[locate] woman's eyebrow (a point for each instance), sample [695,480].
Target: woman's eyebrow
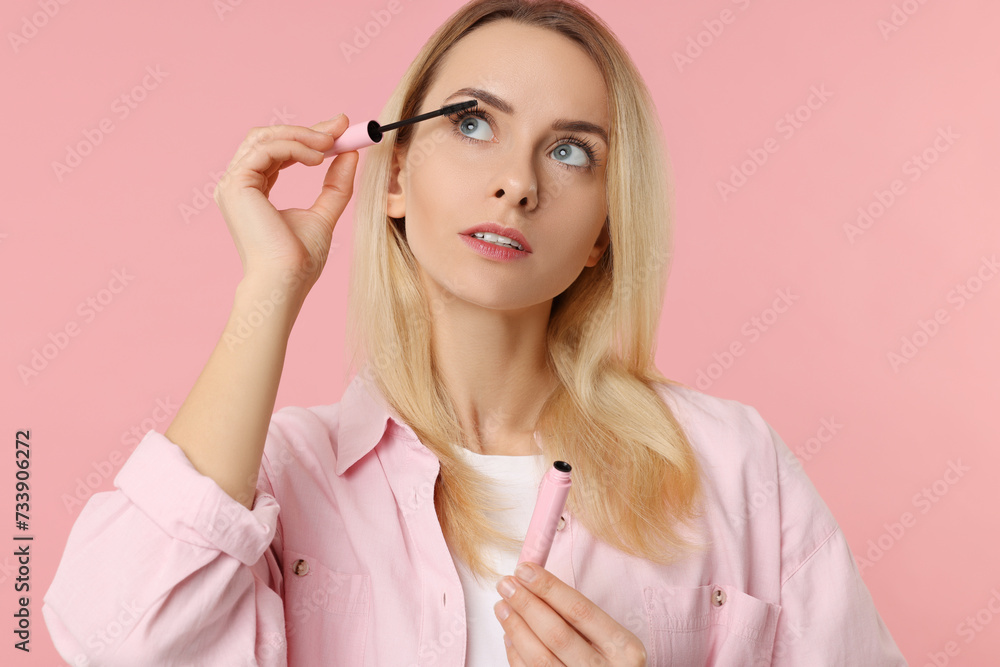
[504,106]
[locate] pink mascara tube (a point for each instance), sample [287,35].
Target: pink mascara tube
[552,493]
[362,135]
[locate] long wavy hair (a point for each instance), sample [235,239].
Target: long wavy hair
[635,476]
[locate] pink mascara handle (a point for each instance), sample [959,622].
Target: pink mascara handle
[552,493]
[359,135]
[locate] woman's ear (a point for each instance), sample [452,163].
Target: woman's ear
[396,203]
[602,243]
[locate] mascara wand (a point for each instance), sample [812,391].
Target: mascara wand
[361,135]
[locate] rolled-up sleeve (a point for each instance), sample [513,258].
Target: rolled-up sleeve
[828,616]
[169,569]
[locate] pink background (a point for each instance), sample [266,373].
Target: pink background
[823,360]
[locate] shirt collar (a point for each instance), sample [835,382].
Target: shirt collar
[365,417]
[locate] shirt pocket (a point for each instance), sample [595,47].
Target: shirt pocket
[717,625]
[326,612]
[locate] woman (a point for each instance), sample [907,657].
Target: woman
[690,535]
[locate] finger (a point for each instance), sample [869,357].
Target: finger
[317,136]
[320,137]
[255,137]
[570,604]
[258,165]
[540,636]
[526,648]
[337,121]
[258,169]
[329,130]
[338,185]
[513,659]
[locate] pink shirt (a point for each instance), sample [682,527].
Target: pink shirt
[168,569]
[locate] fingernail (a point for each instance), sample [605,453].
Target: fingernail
[502,611]
[525,572]
[505,587]
[337,116]
[506,641]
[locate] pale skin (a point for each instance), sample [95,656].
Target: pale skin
[490,317]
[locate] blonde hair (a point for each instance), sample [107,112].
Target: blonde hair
[635,475]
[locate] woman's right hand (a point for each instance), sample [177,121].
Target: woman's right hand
[290,245]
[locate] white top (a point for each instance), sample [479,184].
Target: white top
[515,482]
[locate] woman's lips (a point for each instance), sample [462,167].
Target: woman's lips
[492,250]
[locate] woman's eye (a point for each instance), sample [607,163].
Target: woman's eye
[473,124]
[569,153]
[564,150]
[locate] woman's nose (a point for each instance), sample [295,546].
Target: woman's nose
[519,182]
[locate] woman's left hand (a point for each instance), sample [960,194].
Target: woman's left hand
[548,619]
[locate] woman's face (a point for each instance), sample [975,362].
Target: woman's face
[510,167]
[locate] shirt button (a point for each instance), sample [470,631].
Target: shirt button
[300,567]
[718,597]
[562,523]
